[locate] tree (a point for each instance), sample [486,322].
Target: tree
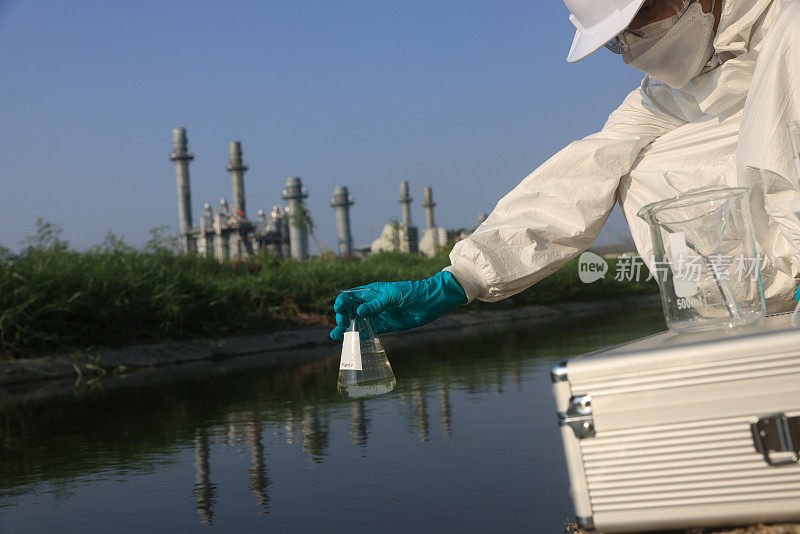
[300,217]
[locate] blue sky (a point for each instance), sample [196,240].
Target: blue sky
[467,97]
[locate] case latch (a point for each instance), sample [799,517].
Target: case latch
[779,434]
[579,416]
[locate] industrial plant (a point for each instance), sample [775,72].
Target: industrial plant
[226,232]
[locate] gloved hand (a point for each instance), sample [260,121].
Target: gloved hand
[402,305]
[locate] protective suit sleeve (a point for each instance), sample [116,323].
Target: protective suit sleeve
[765,159]
[559,209]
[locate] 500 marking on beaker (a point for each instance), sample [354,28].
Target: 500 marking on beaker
[684,303]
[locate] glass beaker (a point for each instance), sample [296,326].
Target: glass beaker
[364,370]
[705,260]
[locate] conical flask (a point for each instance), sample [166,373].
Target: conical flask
[364,369]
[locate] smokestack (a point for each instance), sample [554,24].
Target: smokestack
[220,238]
[207,229]
[298,231]
[237,167]
[429,204]
[341,203]
[181,156]
[405,203]
[283,221]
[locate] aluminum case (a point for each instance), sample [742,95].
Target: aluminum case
[684,430]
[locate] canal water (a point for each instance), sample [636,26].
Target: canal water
[467,442]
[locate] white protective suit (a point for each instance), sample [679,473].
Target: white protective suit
[723,127]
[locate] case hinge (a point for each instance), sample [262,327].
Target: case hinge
[579,416]
[777,434]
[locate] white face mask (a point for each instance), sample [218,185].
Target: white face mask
[674,50]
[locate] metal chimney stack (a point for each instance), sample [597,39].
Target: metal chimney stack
[181,156]
[281,215]
[298,231]
[341,203]
[237,168]
[207,230]
[429,204]
[405,203]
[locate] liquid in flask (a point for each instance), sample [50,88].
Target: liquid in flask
[364,370]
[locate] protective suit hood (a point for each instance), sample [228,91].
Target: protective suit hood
[742,28]
[737,24]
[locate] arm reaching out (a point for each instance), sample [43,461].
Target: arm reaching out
[559,209]
[550,217]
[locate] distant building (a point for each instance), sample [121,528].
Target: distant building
[226,232]
[402,236]
[396,237]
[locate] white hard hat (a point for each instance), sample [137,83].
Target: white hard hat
[598,21]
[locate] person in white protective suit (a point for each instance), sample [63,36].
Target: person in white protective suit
[721,87]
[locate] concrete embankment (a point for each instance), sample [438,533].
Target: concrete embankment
[266,349]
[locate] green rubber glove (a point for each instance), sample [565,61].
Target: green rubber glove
[401,305]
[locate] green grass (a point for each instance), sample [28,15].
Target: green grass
[54,299]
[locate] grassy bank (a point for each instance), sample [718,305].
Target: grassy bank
[57,299]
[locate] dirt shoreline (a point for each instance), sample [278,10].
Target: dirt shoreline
[270,347]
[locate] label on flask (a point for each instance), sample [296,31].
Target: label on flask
[351,352]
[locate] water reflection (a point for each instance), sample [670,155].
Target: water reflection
[204,489]
[259,480]
[315,433]
[219,411]
[445,411]
[359,423]
[309,428]
[417,403]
